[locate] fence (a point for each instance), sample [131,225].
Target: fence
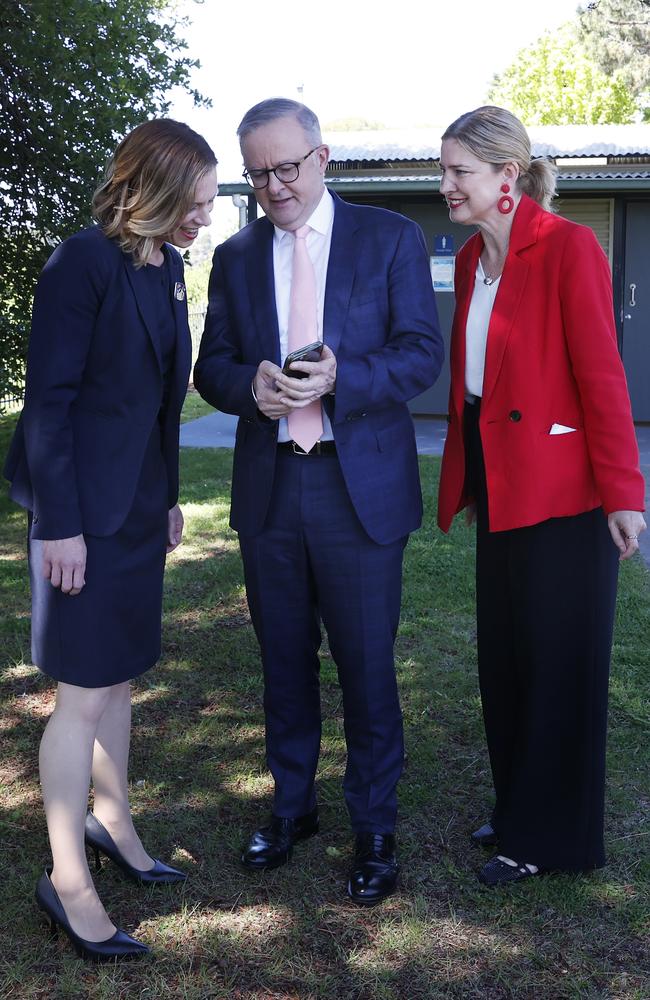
[196,320]
[11,402]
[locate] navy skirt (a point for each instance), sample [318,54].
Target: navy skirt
[110,632]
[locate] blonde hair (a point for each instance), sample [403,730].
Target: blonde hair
[496,136]
[150,184]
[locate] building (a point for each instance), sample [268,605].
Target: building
[603,182]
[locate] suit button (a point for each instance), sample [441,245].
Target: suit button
[515,415]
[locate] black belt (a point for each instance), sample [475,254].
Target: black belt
[320,448]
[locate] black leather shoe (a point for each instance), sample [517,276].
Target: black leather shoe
[374,872]
[98,837]
[485,836]
[497,872]
[271,846]
[121,945]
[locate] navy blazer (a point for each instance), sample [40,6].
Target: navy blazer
[94,390]
[381,322]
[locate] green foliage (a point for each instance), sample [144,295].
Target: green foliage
[202,248]
[554,82]
[196,283]
[353,125]
[616,33]
[75,77]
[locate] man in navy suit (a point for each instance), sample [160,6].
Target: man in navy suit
[322,529]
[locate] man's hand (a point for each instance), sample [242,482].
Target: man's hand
[64,563]
[175,524]
[266,391]
[298,392]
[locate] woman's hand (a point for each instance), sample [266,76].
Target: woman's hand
[625,526]
[64,563]
[174,528]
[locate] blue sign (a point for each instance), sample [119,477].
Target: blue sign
[443,243]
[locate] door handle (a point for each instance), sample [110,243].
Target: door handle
[632,294]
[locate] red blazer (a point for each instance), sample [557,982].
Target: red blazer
[551,358]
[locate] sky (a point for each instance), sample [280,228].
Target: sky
[409,64]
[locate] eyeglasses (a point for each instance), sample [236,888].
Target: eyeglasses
[285,172]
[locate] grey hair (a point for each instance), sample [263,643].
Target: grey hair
[496,136]
[280,107]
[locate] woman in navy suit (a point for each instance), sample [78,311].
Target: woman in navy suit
[95,462]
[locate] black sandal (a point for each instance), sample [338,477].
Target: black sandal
[497,872]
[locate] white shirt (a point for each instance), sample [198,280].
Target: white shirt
[318,247]
[476,331]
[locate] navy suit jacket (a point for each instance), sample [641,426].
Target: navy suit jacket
[380,320]
[94,390]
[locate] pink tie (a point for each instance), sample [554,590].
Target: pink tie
[306,424]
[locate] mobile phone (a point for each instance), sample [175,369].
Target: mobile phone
[311,352]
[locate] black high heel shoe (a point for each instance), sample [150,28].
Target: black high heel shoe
[99,839]
[119,946]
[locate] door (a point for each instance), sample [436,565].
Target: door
[636,308]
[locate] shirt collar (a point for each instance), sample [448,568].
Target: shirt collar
[320,220]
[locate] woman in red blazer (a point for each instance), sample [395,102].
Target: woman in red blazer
[541,450]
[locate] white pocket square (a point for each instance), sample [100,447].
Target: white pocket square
[561,429]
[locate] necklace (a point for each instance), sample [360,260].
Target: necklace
[488,279]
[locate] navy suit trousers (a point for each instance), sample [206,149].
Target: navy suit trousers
[313,561]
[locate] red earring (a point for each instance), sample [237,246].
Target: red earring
[505,204]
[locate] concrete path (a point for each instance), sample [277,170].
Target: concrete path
[217,430]
[643,437]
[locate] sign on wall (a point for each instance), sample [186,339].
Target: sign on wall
[442,263]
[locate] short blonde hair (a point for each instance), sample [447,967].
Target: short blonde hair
[496,136]
[150,183]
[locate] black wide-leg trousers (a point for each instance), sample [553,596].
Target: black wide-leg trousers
[545,599]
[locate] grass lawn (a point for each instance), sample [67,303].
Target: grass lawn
[199,786]
[195,407]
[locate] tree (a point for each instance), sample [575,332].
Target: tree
[196,283]
[554,82]
[616,34]
[75,77]
[352,125]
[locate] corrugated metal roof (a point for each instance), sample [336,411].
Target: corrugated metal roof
[605,175]
[366,178]
[547,140]
[407,157]
[563,175]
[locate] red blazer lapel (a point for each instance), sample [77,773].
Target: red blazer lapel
[465,274]
[525,228]
[504,312]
